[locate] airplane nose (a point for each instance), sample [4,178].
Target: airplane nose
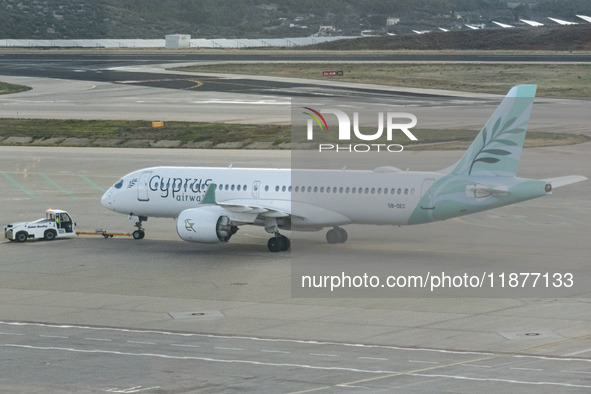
[106,200]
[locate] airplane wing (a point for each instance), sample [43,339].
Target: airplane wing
[301,214]
[266,208]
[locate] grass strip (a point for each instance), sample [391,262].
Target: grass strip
[104,132]
[8,88]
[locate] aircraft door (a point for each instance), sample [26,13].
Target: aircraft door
[256,185]
[142,188]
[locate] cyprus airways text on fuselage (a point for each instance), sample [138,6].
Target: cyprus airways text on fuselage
[178,187]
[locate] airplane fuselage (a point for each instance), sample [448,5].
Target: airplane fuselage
[384,196]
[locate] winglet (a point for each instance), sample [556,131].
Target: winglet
[209,197]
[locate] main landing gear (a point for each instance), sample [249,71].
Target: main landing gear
[336,235]
[279,243]
[139,233]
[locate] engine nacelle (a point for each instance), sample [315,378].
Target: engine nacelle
[209,224]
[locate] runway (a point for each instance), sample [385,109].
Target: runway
[136,87]
[234,301]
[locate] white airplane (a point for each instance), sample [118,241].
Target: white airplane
[532,23]
[561,22]
[585,18]
[209,204]
[443,30]
[503,25]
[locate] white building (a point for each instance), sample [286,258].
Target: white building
[176,41]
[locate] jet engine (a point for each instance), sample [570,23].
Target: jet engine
[208,224]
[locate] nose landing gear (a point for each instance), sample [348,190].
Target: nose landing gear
[140,232]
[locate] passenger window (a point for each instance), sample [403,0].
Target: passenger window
[297,189]
[267,188]
[233,186]
[405,192]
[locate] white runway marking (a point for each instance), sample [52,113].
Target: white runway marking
[577,353]
[275,351]
[180,345]
[209,359]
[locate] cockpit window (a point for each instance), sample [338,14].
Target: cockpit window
[118,184]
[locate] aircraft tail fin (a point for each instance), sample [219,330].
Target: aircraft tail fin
[497,148]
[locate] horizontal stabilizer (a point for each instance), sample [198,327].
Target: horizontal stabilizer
[565,180]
